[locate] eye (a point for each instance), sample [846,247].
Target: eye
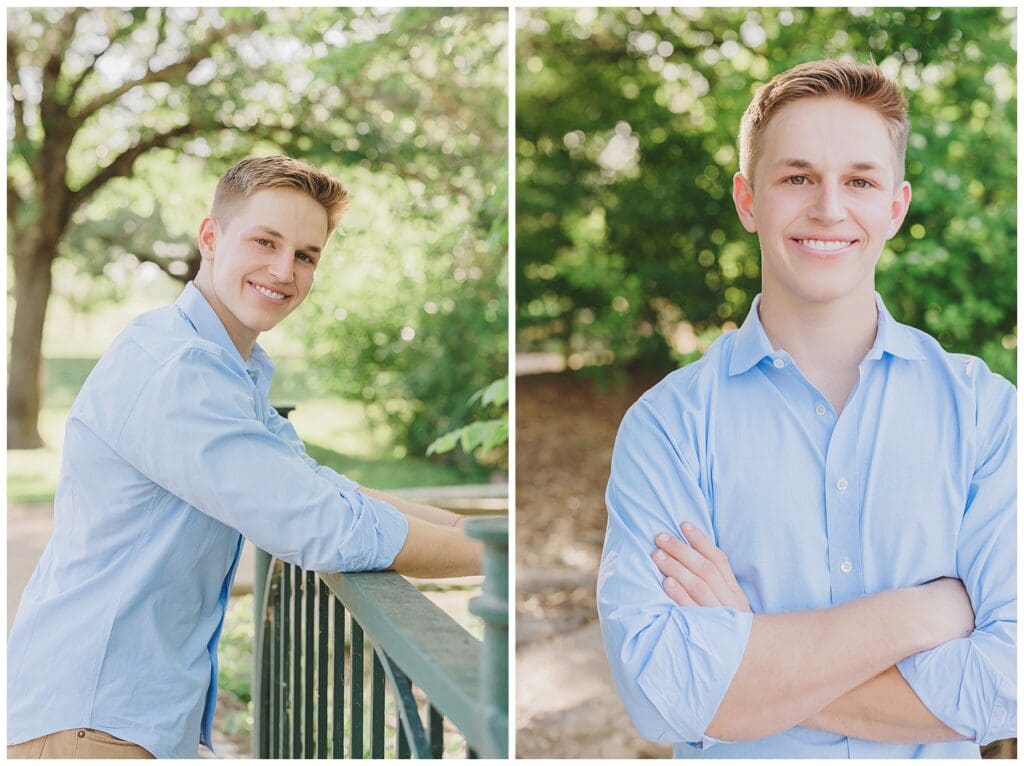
[305,257]
[263,242]
[862,183]
[796,180]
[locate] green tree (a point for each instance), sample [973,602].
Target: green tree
[152,104]
[628,248]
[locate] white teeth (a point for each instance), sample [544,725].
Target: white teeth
[268,293]
[820,244]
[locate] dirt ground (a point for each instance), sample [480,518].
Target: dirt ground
[566,703]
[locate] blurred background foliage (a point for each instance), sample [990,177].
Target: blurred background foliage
[628,249]
[407,106]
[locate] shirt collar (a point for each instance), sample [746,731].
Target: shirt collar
[751,343]
[200,314]
[892,337]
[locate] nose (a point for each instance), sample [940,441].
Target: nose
[282,267]
[828,207]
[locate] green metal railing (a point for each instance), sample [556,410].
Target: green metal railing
[323,638]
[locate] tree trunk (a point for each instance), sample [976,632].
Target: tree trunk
[32,282]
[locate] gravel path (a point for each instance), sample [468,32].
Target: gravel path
[566,703]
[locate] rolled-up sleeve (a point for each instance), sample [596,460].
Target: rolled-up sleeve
[971,684]
[193,430]
[671,664]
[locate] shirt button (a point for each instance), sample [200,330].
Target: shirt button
[81,733]
[841,485]
[846,567]
[779,363]
[820,409]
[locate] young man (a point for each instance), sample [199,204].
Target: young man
[172,455]
[846,487]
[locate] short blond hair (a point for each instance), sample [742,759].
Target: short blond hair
[861,83]
[258,173]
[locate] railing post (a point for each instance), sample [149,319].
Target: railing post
[259,589]
[492,607]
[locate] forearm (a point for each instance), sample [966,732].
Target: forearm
[798,663]
[426,513]
[883,709]
[432,550]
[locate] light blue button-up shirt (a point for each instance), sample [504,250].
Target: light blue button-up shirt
[914,480]
[172,454]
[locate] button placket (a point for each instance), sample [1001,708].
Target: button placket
[842,510]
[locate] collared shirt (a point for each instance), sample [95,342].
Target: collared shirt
[913,481]
[172,454]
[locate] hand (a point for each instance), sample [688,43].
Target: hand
[697,574]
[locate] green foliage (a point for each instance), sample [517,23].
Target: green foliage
[407,106]
[483,434]
[627,245]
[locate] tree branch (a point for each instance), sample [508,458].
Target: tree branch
[124,162]
[177,70]
[193,261]
[14,201]
[21,141]
[65,29]
[116,37]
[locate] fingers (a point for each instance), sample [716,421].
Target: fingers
[697,572]
[703,545]
[677,593]
[683,567]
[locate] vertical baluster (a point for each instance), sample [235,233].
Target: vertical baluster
[263,627]
[338,735]
[297,666]
[436,726]
[377,708]
[310,586]
[356,703]
[401,741]
[323,637]
[273,646]
[286,651]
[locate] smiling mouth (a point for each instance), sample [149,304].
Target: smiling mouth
[824,245]
[267,292]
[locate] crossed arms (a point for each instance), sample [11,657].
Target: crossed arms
[910,665]
[831,669]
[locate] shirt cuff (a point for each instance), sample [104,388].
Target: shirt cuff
[703,744]
[375,535]
[952,682]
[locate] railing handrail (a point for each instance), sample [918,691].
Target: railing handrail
[439,656]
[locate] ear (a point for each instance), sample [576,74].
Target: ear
[900,206]
[207,237]
[743,198]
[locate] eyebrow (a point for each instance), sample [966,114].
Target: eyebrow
[279,235]
[804,164]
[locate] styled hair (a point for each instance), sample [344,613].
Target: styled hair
[258,173]
[861,83]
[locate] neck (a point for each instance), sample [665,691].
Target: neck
[243,338]
[829,336]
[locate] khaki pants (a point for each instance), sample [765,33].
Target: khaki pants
[77,743]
